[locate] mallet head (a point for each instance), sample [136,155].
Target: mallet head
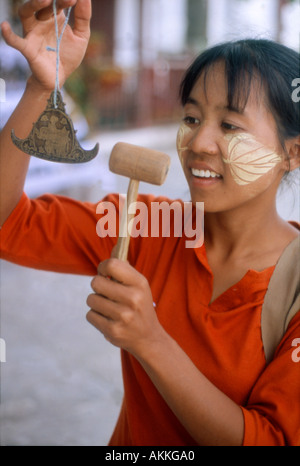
[139,163]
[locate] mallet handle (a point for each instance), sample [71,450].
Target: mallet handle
[121,251]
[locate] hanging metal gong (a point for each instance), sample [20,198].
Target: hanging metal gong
[53,136]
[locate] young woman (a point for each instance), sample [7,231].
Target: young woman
[194,367]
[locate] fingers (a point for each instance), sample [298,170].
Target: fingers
[120,271]
[117,287]
[107,305]
[82,16]
[11,38]
[103,306]
[108,297]
[100,323]
[28,9]
[29,12]
[42,9]
[122,309]
[109,289]
[47,12]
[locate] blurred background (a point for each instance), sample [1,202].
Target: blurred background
[61,382]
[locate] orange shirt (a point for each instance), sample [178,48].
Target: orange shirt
[223,338]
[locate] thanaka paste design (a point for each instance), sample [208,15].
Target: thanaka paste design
[249,159]
[182,132]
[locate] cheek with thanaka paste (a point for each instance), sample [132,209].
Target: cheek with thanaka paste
[181,134]
[248,159]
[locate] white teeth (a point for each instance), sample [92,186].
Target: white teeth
[205,173]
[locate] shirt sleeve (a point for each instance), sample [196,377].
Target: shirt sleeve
[59,234]
[272,414]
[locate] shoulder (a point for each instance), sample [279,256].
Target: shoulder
[277,241]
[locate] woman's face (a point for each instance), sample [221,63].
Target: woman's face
[230,157]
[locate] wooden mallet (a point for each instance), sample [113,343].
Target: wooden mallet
[138,164]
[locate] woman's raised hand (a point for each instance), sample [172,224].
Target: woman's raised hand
[39,33]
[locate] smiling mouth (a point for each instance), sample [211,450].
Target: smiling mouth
[205,173]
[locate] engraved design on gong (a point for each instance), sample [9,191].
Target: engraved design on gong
[53,136]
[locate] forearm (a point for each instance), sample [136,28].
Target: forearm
[38,33]
[209,416]
[13,162]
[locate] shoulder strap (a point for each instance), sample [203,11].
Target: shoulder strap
[282,299]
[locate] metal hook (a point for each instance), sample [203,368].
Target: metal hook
[53,136]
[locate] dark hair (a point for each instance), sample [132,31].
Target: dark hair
[275,65]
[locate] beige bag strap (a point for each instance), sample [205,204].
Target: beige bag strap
[282,299]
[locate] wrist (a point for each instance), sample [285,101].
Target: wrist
[151,349]
[33,86]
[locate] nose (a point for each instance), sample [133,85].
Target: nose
[204,140]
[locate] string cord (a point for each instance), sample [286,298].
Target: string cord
[58,41]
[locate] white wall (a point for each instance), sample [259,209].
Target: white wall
[234,19]
[163,30]
[127,30]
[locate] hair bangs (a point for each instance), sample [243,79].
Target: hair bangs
[240,74]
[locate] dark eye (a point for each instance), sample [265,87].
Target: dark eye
[229,126]
[189,120]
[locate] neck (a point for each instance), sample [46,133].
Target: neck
[243,231]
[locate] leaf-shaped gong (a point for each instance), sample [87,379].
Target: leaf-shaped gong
[53,136]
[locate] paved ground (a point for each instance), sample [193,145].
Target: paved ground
[61,382]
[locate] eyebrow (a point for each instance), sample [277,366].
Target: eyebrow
[230,108]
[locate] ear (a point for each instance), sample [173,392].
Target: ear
[293,150]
